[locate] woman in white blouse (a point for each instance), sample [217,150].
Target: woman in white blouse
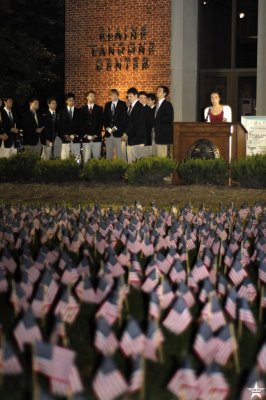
[217,112]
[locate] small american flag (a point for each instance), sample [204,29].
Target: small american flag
[105,340]
[222,285]
[8,261]
[199,271]
[110,309]
[205,343]
[154,339]
[9,363]
[104,287]
[213,313]
[237,273]
[165,293]
[246,316]
[40,304]
[85,290]
[151,281]
[134,278]
[133,340]
[133,245]
[212,384]
[27,331]
[147,247]
[67,307]
[178,317]
[184,382]
[52,361]
[184,292]
[69,386]
[70,275]
[109,382]
[18,298]
[136,375]
[231,303]
[154,305]
[3,282]
[178,272]
[226,345]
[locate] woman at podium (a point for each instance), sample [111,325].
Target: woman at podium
[217,112]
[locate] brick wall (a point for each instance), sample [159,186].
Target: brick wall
[116,44]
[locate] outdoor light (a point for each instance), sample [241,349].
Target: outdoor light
[241,15]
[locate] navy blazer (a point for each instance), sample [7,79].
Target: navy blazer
[51,127]
[118,119]
[7,125]
[136,125]
[163,123]
[69,126]
[29,126]
[92,123]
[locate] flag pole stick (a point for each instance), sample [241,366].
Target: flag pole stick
[188,263]
[143,386]
[239,328]
[236,358]
[1,358]
[261,301]
[35,388]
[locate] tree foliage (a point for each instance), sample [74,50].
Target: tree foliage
[31,47]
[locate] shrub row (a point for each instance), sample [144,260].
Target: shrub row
[27,167]
[201,171]
[249,172]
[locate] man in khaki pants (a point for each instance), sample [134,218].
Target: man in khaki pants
[163,123]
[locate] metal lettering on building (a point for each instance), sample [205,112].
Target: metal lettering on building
[127,49]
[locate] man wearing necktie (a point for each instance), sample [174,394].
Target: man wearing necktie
[10,127]
[163,123]
[91,124]
[32,126]
[115,125]
[135,126]
[52,143]
[70,128]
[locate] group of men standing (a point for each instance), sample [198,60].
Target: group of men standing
[140,127]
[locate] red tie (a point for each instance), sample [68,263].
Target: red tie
[90,109]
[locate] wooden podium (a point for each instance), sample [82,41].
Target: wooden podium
[229,140]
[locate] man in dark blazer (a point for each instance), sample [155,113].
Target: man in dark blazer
[150,110]
[163,123]
[9,126]
[115,112]
[135,127]
[52,143]
[70,128]
[91,125]
[32,126]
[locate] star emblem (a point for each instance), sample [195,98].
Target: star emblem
[256,391]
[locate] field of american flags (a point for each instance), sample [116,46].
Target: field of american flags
[153,303]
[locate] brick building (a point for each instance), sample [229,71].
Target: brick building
[193,46]
[117,43]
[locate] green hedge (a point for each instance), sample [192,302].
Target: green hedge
[250,172]
[214,171]
[20,167]
[150,170]
[3,168]
[56,171]
[104,170]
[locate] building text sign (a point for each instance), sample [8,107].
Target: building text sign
[116,50]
